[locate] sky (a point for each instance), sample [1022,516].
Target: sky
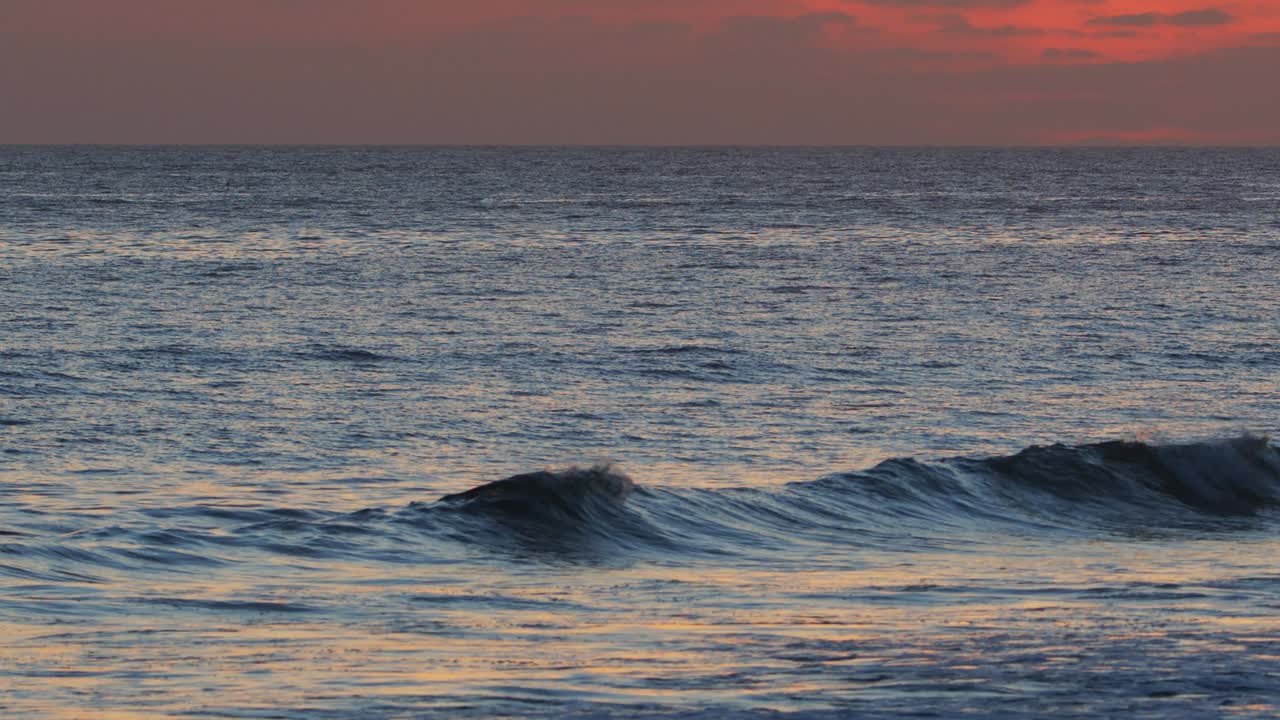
[808,72]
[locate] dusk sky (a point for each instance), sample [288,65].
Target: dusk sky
[640,71]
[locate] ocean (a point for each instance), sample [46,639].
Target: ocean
[473,432]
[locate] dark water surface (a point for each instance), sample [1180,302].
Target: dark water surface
[899,432]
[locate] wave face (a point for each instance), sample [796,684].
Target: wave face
[1117,486]
[1231,477]
[569,492]
[1131,490]
[568,511]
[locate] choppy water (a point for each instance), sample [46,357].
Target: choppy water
[898,432]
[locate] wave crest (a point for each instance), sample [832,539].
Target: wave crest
[577,511]
[1237,476]
[572,492]
[594,515]
[1130,487]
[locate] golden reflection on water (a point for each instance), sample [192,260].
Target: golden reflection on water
[905,627]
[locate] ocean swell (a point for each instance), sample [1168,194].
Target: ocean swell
[1117,489]
[1132,488]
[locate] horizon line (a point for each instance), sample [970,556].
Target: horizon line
[1103,145]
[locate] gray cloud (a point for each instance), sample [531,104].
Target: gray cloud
[1069,54]
[954,4]
[1191,18]
[960,25]
[1199,18]
[784,29]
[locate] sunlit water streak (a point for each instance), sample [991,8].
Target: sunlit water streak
[236,382]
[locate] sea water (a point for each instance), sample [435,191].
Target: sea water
[794,432]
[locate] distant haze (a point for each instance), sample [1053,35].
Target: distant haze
[989,72]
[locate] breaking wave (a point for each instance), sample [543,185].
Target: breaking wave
[1125,489]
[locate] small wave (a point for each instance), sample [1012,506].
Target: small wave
[239,606]
[558,511]
[568,490]
[578,511]
[684,350]
[340,353]
[229,268]
[595,515]
[1239,476]
[494,601]
[1134,488]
